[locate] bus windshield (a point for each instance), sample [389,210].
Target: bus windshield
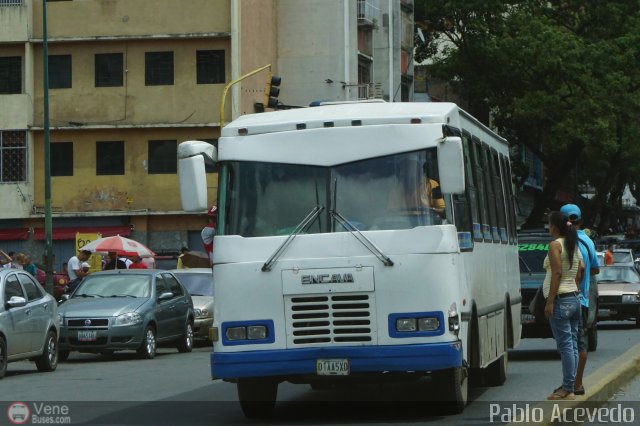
[399,191]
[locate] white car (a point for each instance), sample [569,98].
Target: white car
[28,321]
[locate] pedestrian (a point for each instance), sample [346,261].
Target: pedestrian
[591,268]
[564,267]
[113,262]
[74,269]
[18,260]
[6,259]
[137,263]
[608,255]
[209,231]
[180,265]
[29,266]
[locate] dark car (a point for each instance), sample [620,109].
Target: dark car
[619,297]
[532,249]
[126,309]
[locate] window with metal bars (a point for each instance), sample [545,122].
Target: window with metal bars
[13,155]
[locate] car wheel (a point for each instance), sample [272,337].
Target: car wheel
[186,342]
[147,349]
[48,361]
[3,357]
[63,355]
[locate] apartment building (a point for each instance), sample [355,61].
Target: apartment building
[131,79]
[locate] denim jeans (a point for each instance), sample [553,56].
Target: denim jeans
[564,325]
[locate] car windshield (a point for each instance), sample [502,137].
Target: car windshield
[116,285]
[197,284]
[532,256]
[387,192]
[622,257]
[613,274]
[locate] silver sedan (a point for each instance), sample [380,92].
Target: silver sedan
[199,284]
[28,322]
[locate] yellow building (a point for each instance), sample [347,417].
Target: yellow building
[128,81]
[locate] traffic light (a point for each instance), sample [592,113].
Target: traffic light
[272,91]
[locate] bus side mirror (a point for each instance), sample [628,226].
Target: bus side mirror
[451,165]
[192,176]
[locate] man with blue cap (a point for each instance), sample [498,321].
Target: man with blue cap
[572,213]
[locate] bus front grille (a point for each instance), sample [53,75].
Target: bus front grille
[337,318]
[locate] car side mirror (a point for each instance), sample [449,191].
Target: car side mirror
[16,302]
[64,298]
[165,296]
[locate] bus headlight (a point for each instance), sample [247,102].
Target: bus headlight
[236,333]
[406,324]
[428,324]
[256,332]
[630,298]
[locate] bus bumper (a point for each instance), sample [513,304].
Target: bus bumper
[362,359]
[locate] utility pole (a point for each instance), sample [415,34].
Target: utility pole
[48,228]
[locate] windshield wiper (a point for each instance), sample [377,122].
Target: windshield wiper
[302,226]
[361,238]
[87,295]
[122,295]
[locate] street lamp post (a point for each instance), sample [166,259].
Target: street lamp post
[48,248]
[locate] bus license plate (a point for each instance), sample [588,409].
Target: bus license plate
[87,335]
[332,367]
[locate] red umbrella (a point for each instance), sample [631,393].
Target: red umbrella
[121,245]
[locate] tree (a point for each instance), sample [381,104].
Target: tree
[559,77]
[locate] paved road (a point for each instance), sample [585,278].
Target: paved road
[182,383]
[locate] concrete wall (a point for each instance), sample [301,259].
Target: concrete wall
[257,44]
[16,22]
[85,192]
[311,49]
[96,18]
[133,103]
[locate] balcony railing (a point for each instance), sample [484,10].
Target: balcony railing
[4,3]
[369,91]
[368,14]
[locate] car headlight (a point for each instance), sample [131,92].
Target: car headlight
[202,313]
[61,319]
[130,318]
[630,298]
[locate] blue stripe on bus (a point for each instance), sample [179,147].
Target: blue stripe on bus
[363,359]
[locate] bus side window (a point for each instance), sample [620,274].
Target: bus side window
[500,198]
[491,196]
[478,171]
[472,190]
[462,202]
[508,184]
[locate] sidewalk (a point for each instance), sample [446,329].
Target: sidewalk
[600,385]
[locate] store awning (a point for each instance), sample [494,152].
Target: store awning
[14,234]
[70,233]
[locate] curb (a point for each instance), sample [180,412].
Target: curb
[601,385]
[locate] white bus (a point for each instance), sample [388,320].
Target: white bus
[331,262]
